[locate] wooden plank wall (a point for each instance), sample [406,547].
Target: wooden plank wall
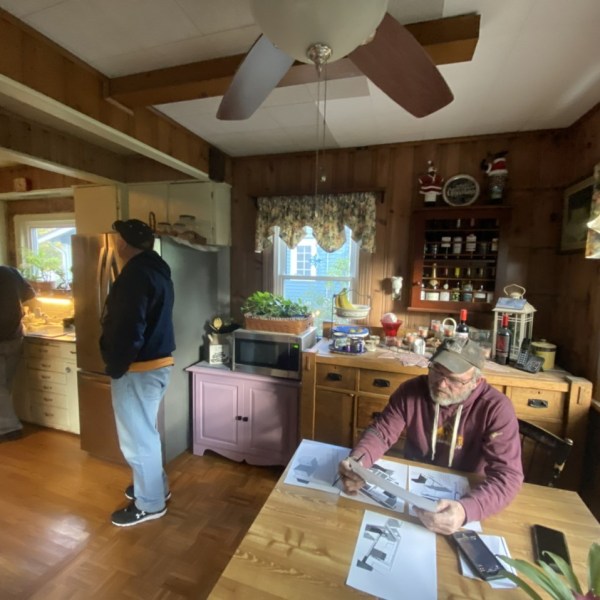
[540,165]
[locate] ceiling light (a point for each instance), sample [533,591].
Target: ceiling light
[296,25]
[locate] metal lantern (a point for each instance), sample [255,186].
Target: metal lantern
[520,318]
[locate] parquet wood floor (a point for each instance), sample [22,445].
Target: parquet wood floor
[57,542]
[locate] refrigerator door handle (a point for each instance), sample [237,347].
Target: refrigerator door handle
[102,279]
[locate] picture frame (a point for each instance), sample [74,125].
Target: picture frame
[576,213]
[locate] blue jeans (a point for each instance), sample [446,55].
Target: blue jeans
[136,398]
[10,354]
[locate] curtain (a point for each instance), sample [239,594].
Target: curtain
[327,214]
[592,247]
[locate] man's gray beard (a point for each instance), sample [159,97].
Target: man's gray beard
[450,400]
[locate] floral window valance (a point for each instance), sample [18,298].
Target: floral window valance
[327,214]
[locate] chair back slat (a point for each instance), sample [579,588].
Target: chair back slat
[543,454]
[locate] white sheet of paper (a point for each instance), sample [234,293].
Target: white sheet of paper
[315,465]
[497,544]
[377,479]
[394,559]
[437,485]
[373,494]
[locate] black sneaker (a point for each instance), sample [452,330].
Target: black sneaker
[130,493]
[132,515]
[9,436]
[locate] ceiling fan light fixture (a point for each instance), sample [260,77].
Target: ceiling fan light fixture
[296,25]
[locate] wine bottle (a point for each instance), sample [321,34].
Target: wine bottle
[462,329]
[503,342]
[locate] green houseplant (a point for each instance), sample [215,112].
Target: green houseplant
[565,587]
[273,306]
[270,312]
[44,265]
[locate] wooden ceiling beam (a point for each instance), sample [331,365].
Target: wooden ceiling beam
[448,40]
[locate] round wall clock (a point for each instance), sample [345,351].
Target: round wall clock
[460,190]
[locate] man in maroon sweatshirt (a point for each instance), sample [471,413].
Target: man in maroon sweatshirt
[452,418]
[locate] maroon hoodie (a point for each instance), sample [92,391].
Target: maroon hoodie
[487,443]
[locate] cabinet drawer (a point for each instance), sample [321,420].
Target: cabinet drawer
[380,382]
[37,377]
[36,384]
[50,416]
[48,399]
[55,365]
[336,377]
[532,403]
[367,409]
[46,349]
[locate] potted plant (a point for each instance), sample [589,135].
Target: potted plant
[270,312]
[44,268]
[565,587]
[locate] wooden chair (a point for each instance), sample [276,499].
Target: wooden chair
[543,454]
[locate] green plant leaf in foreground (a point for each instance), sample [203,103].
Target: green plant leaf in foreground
[594,569]
[539,578]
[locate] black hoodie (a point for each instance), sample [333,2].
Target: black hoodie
[137,324]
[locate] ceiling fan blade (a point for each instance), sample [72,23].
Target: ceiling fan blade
[259,73]
[399,66]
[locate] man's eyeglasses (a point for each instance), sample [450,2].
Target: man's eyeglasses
[454,381]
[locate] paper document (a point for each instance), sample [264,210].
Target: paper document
[394,559]
[392,488]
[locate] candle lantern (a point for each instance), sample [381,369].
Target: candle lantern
[520,318]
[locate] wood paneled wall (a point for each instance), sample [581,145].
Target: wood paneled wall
[541,165]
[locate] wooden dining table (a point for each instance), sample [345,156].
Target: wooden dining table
[301,543]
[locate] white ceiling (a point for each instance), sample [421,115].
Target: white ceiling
[536,66]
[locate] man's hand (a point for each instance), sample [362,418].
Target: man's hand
[351,481]
[449,517]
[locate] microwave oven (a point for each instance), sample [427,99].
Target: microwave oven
[270,353]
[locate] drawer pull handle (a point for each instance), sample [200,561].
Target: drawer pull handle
[333,377]
[45,377]
[245,419]
[381,383]
[535,403]
[238,418]
[47,399]
[46,365]
[375,415]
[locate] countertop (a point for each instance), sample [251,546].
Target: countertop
[392,359]
[51,332]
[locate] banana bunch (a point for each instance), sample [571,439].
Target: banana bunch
[341,300]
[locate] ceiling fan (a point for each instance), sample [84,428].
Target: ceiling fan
[323,31]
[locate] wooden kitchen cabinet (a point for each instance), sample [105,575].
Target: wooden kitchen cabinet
[243,416]
[97,207]
[47,394]
[458,254]
[342,394]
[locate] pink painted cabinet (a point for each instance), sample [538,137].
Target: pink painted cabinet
[244,417]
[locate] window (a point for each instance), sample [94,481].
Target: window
[48,238]
[311,275]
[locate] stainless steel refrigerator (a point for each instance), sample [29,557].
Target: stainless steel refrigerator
[201,282]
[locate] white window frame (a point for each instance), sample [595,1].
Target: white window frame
[23,224]
[279,250]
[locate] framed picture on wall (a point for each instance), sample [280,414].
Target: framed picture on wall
[576,214]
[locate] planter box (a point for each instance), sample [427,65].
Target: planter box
[278,325]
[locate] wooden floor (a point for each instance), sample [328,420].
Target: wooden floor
[57,542]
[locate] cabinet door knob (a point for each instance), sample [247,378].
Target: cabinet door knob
[333,377]
[238,418]
[245,419]
[381,383]
[536,403]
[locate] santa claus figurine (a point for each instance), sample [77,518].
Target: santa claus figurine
[430,184]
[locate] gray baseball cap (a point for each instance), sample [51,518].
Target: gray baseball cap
[459,355]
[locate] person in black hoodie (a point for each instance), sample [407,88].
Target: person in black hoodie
[137,343]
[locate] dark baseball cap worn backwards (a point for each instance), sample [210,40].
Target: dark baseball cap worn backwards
[136,233]
[459,355]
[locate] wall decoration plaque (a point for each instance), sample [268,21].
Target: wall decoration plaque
[461,190]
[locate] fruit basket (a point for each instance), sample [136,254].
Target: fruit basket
[346,310]
[358,311]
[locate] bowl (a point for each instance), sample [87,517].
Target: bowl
[359,311]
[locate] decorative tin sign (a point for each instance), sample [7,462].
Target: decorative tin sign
[461,190]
